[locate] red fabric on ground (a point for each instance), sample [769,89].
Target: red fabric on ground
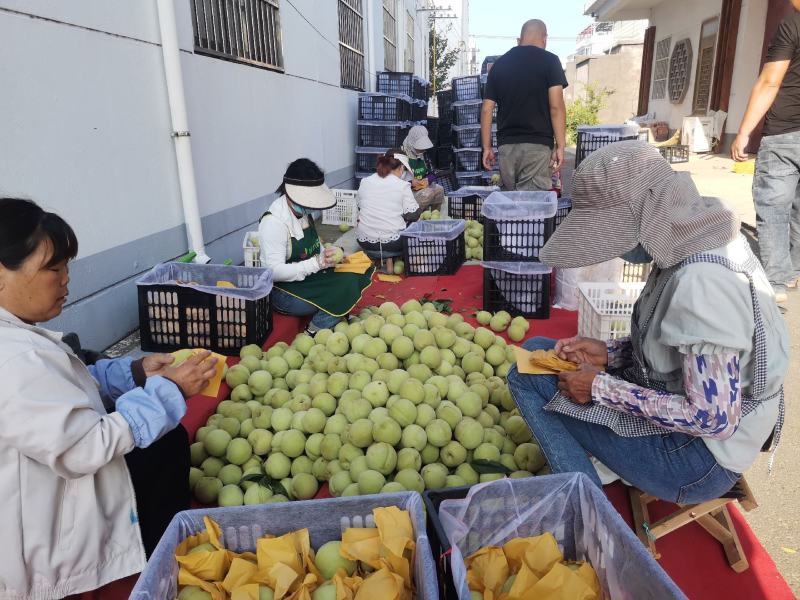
[681,551]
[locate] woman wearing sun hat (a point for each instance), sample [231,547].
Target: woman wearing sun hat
[304,283]
[426,193]
[682,407]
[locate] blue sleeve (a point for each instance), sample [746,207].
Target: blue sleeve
[114,376]
[152,410]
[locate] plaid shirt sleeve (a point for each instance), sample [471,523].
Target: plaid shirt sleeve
[711,407]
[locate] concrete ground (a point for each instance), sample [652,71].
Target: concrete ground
[775,521]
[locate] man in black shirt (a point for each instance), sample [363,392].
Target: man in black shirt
[775,186]
[527,85]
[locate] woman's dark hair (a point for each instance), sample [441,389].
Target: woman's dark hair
[302,168]
[24,225]
[388,163]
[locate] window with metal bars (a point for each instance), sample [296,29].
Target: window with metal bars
[351,44]
[661,69]
[409,67]
[247,31]
[705,66]
[390,35]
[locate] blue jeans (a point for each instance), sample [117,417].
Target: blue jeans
[777,200]
[674,466]
[290,305]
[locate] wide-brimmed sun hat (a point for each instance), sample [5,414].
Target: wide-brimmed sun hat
[305,185]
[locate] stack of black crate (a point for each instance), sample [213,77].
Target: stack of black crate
[466,132]
[444,140]
[386,116]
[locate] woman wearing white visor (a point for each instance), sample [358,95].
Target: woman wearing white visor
[427,193]
[304,283]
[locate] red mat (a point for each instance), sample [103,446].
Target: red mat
[689,555]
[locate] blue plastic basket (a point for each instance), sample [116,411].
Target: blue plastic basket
[242,526]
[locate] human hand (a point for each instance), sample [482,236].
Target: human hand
[557,158]
[739,148]
[419,184]
[582,350]
[326,258]
[193,374]
[577,385]
[489,159]
[156,364]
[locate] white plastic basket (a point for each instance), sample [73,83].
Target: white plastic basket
[252,249]
[346,210]
[605,309]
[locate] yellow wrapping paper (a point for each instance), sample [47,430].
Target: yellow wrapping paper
[548,359]
[540,553]
[362,543]
[251,591]
[381,585]
[204,565]
[562,583]
[523,582]
[358,262]
[241,572]
[389,278]
[524,365]
[487,571]
[395,529]
[212,389]
[346,587]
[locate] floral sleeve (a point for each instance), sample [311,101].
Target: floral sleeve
[711,407]
[619,353]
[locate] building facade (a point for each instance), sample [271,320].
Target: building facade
[608,55]
[699,55]
[87,124]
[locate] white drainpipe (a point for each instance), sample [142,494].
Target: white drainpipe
[370,59]
[180,128]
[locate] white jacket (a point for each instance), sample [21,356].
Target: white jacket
[68,519]
[276,233]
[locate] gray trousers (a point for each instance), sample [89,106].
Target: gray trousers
[777,201]
[525,167]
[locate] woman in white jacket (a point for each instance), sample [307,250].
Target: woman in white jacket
[75,516]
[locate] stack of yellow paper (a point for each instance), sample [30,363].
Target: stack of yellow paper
[284,568]
[529,568]
[357,262]
[212,389]
[541,362]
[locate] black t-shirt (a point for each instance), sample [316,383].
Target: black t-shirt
[784,115]
[519,82]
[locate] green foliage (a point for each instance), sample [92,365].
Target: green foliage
[585,110]
[445,58]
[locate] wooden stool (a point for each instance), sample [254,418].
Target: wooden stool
[713,516]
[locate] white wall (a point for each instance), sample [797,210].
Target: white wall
[682,19]
[86,132]
[748,60]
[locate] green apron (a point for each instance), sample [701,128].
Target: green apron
[418,167]
[331,292]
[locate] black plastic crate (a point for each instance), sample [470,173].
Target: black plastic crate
[675,154]
[444,100]
[564,206]
[466,203]
[445,135]
[509,241]
[367,159]
[468,160]
[467,88]
[437,537]
[433,256]
[588,141]
[382,107]
[382,135]
[519,294]
[389,82]
[419,110]
[172,316]
[444,157]
[445,178]
[468,113]
[422,89]
[465,179]
[469,136]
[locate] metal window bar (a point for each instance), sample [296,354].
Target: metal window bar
[409,43]
[246,31]
[389,35]
[351,44]
[661,69]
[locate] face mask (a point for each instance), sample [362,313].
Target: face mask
[301,210]
[637,256]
